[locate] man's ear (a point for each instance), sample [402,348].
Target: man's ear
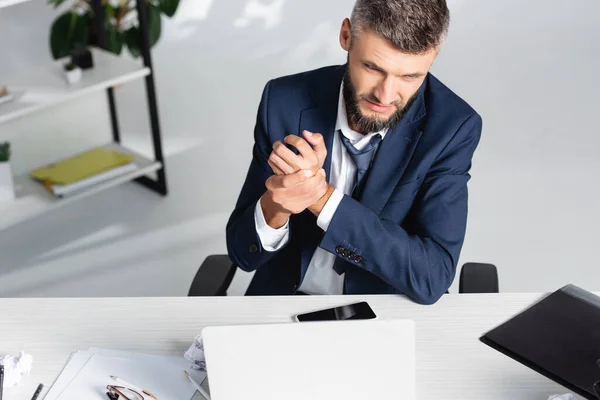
[346,35]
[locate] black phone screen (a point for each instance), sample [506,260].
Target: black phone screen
[360,310]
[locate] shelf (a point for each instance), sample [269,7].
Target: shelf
[34,200]
[45,85]
[8,3]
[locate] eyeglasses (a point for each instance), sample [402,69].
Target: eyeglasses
[125,393]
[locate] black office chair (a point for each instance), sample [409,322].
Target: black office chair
[213,277]
[478,278]
[217,271]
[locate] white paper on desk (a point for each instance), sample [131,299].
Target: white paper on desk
[74,364]
[176,361]
[163,378]
[79,359]
[151,357]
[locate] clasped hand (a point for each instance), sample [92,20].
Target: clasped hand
[300,180]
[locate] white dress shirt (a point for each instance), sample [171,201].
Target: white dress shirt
[320,277]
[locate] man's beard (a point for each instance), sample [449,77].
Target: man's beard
[358,120]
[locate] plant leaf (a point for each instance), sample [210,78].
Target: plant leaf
[114,39]
[132,39]
[56,3]
[154,24]
[109,11]
[4,152]
[168,7]
[67,32]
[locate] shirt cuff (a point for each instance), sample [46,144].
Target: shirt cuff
[329,209]
[270,239]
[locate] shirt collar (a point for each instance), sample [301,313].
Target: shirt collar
[343,125]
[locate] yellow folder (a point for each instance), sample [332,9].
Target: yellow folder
[82,166]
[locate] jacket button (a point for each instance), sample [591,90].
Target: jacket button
[358,259]
[339,249]
[253,248]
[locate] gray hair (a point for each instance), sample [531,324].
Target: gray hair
[413,26]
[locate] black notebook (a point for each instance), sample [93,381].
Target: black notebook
[559,337]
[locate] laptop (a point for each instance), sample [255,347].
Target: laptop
[558,337]
[349,360]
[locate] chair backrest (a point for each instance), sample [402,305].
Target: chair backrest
[213,277]
[478,278]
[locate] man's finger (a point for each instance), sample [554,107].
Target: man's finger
[306,188]
[275,168]
[291,180]
[303,147]
[317,143]
[282,164]
[313,196]
[288,156]
[275,182]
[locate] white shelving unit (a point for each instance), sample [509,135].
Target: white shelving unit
[44,86]
[33,199]
[8,3]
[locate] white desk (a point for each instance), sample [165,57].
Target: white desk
[451,362]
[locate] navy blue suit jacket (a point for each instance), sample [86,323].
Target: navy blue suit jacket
[405,234]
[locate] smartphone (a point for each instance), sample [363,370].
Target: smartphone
[360,310]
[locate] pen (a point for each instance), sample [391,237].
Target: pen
[37,391]
[197,386]
[1,380]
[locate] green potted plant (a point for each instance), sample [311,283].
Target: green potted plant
[7,190]
[75,28]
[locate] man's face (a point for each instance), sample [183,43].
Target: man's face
[381,81]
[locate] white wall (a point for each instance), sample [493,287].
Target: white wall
[529,67]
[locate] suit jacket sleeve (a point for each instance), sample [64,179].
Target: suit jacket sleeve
[243,241]
[420,263]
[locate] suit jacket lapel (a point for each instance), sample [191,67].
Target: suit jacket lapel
[393,155]
[320,117]
[318,120]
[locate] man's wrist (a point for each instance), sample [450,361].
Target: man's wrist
[318,206]
[275,217]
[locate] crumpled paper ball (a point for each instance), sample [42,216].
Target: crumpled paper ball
[15,368]
[195,354]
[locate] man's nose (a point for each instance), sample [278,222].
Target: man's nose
[386,92]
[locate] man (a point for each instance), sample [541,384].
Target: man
[358,182]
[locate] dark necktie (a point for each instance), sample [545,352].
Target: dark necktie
[362,160]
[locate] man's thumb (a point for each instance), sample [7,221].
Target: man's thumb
[308,135]
[316,140]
